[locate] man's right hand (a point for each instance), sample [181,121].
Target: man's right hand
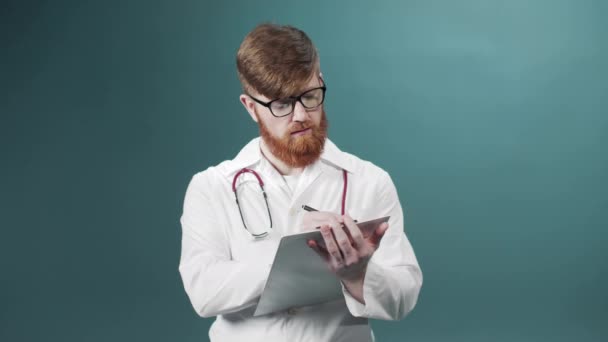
[313,220]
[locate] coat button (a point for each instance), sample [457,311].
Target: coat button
[293,212]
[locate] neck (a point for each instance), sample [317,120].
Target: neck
[279,165]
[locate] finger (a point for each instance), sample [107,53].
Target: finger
[331,246]
[314,220]
[335,220]
[308,221]
[322,252]
[354,231]
[344,243]
[320,245]
[378,234]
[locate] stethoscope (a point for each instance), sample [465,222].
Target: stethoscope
[261,184]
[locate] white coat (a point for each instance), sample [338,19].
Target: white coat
[224,269]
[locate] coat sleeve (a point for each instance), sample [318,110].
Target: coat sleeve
[393,278]
[214,283]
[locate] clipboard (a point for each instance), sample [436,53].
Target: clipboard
[299,277]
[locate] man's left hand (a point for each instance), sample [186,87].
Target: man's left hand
[347,252]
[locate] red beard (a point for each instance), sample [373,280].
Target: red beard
[297,151]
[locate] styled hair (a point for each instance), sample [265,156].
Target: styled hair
[276,61]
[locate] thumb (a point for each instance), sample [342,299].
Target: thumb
[378,234]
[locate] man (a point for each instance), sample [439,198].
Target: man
[228,246]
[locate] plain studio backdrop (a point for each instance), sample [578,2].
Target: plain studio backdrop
[491,116]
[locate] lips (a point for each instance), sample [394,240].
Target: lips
[301,131]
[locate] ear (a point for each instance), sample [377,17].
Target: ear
[249,105]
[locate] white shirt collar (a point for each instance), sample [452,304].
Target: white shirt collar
[251,155]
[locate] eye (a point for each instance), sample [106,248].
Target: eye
[310,96]
[282,104]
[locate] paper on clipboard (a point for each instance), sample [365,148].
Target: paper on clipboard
[299,277]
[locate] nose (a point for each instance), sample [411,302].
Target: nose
[299,112]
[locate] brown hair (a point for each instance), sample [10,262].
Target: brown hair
[276,61]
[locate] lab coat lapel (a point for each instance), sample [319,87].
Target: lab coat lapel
[275,179]
[309,175]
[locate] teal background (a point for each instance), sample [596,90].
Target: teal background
[491,116]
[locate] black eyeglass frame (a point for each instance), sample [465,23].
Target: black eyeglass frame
[294,99]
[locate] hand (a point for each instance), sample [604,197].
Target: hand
[314,219]
[347,252]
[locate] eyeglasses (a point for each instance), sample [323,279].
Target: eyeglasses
[282,107]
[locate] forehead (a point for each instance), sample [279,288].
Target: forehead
[314,82]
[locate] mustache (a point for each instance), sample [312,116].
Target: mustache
[300,126]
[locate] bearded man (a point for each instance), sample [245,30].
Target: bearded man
[228,246]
